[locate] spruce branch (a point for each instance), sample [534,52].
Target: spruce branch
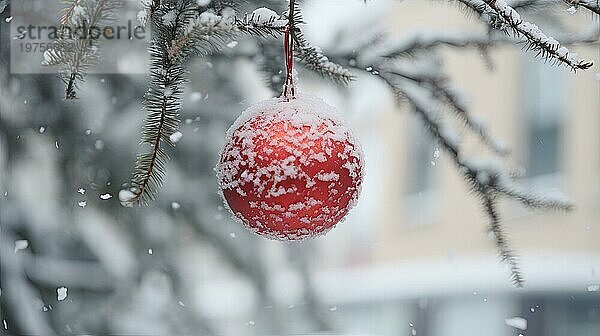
[75,55]
[68,11]
[202,35]
[208,33]
[504,16]
[509,20]
[162,101]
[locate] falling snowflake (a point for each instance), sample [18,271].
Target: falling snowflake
[516,322]
[195,97]
[99,144]
[61,293]
[21,244]
[175,137]
[105,196]
[593,288]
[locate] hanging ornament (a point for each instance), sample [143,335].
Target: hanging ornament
[290,168]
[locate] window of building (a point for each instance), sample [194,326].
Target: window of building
[422,162]
[544,95]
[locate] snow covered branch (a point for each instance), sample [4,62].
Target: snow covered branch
[503,16]
[209,32]
[509,20]
[163,101]
[203,34]
[76,54]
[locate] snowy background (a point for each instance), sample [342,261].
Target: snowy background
[413,258]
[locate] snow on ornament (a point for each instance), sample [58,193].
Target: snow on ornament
[290,169]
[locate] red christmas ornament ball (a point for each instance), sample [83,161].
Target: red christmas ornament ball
[290,169]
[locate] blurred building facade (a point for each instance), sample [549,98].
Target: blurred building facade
[416,254]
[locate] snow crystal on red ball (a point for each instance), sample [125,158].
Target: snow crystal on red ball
[290,170]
